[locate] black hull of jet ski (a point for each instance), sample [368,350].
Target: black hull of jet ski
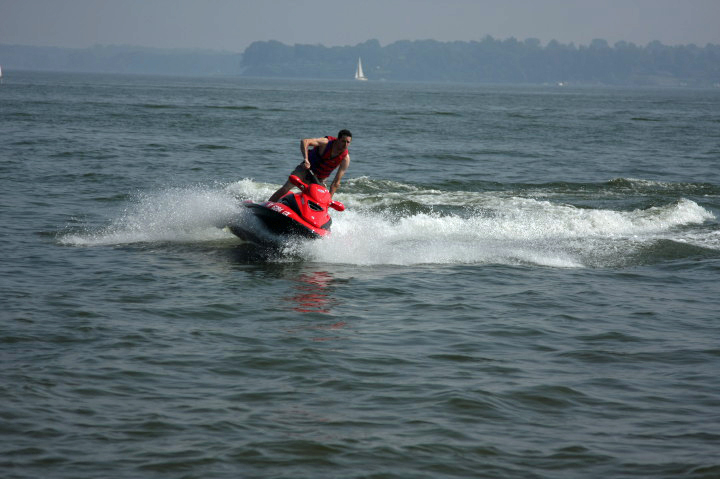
[283,224]
[303,215]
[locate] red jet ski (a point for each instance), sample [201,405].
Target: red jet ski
[303,215]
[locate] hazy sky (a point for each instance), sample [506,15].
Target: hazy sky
[233,24]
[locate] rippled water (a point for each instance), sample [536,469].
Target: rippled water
[524,283]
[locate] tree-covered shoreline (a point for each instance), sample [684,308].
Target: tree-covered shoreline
[486,61]
[493,61]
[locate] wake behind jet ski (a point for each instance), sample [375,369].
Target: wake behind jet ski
[303,214]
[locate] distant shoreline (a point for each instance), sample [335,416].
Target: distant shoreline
[488,61]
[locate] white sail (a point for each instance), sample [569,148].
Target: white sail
[359,75]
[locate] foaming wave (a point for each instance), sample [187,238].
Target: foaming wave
[650,186]
[190,214]
[503,230]
[411,225]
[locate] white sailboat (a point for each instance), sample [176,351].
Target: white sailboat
[359,75]
[0,74]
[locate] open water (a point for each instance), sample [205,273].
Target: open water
[525,283]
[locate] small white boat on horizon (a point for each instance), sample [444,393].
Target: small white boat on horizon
[359,75]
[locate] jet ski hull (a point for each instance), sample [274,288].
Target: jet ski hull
[280,220]
[302,215]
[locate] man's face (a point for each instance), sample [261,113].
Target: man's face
[344,141]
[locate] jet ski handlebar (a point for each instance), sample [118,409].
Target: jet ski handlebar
[295,180]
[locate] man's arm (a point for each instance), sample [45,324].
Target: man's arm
[342,167]
[306,143]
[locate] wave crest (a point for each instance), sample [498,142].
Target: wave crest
[391,223]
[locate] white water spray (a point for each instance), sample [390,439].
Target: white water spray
[478,227]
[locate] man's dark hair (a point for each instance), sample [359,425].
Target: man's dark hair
[342,133]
